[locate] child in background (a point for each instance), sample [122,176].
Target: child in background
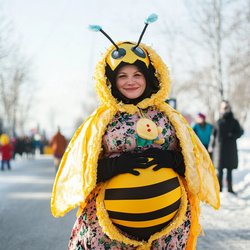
[6,151]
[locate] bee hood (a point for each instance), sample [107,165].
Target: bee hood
[103,85]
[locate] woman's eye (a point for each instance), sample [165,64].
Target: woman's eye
[138,75]
[121,76]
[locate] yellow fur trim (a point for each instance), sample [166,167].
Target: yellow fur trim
[76,176]
[195,227]
[103,88]
[113,233]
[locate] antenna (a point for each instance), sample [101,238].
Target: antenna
[150,19]
[97,28]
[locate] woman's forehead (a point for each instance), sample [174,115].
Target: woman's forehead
[128,67]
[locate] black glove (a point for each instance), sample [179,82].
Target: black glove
[125,163]
[166,159]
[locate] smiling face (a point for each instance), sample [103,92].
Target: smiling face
[130,81]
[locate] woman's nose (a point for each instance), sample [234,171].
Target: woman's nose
[131,80]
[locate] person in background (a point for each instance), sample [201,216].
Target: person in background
[203,129]
[223,144]
[6,150]
[58,144]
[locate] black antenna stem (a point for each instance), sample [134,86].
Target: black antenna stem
[144,29]
[110,39]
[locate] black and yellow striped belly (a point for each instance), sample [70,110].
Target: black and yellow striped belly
[142,205]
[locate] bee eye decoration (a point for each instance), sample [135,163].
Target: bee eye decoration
[119,53]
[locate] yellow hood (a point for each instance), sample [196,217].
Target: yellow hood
[4,139]
[104,91]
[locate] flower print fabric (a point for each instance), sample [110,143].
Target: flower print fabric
[120,135]
[87,234]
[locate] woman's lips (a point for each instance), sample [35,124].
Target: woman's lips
[130,89]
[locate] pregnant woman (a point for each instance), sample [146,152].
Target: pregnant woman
[135,168]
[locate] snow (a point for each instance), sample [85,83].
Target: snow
[229,227]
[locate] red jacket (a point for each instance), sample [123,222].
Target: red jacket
[6,151]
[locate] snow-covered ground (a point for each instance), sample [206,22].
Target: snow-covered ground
[229,227]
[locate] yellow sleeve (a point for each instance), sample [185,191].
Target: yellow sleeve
[76,176]
[68,184]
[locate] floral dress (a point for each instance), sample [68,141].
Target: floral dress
[120,136]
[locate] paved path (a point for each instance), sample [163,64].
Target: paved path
[27,224]
[25,219]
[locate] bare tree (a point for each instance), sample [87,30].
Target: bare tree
[239,63]
[15,104]
[207,18]
[4,26]
[201,84]
[239,72]
[221,29]
[168,36]
[14,77]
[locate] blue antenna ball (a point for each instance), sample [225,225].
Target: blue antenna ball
[151,18]
[95,28]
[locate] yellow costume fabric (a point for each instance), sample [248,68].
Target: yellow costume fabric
[76,177]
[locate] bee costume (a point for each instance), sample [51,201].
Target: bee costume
[159,201]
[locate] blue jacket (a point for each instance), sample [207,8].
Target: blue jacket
[203,132]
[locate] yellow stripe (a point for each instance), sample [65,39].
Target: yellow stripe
[148,223]
[144,205]
[147,177]
[111,230]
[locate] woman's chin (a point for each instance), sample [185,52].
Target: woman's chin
[132,96]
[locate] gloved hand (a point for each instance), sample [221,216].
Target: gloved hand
[125,163]
[166,159]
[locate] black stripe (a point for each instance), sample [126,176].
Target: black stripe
[145,216]
[137,193]
[142,233]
